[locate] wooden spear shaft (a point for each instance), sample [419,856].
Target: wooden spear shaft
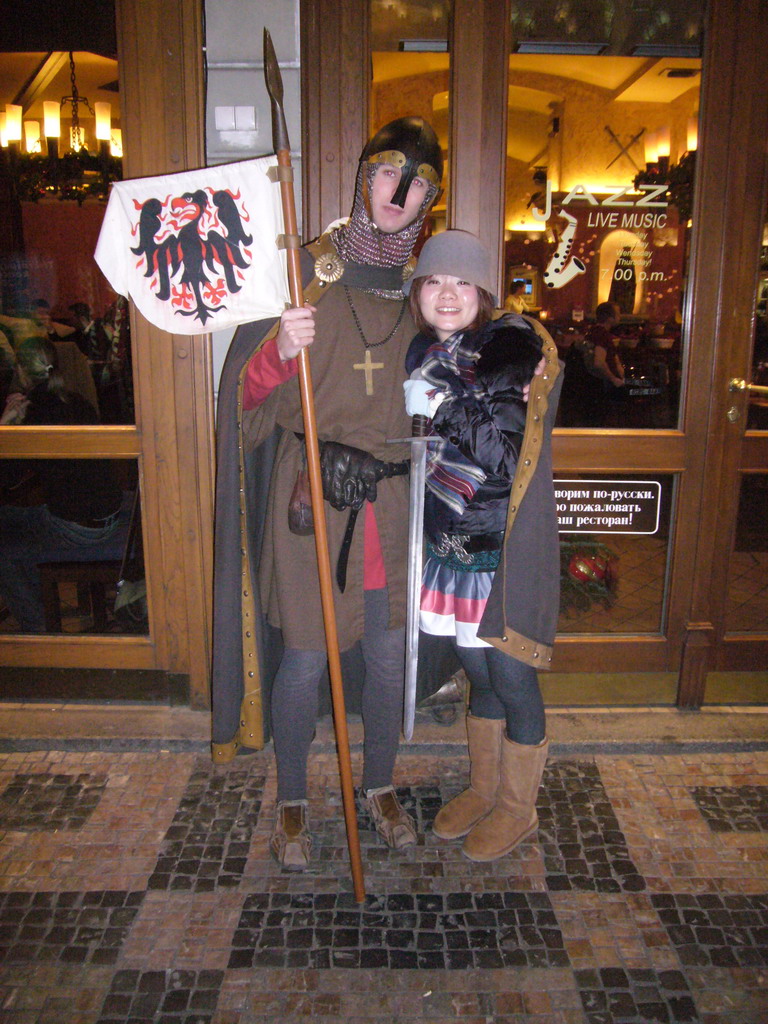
[282,149]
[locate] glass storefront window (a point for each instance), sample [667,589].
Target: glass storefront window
[601,144]
[758,403]
[747,599]
[410,71]
[70,532]
[604,26]
[60,149]
[65,347]
[614,551]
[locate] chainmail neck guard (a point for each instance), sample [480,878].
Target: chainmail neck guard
[360,241]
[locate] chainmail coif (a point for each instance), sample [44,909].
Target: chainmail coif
[360,241]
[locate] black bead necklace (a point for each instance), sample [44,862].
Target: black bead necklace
[356,318]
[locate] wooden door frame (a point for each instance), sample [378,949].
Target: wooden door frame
[477,147]
[479,70]
[160,44]
[737,174]
[161,79]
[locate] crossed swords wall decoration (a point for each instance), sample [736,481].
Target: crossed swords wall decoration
[623,150]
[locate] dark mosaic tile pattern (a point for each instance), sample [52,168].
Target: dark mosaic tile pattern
[713,930]
[69,927]
[450,931]
[171,997]
[733,808]
[50,803]
[583,847]
[206,845]
[612,995]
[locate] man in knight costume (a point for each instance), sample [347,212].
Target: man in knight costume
[269,643]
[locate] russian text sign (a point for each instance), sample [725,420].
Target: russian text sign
[608,506]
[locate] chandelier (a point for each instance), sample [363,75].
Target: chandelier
[45,168]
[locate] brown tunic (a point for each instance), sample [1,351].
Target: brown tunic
[347,413]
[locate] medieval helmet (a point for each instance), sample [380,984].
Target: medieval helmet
[410,144]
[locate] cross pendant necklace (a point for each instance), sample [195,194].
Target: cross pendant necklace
[368,366]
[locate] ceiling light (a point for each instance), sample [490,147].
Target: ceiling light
[576,49]
[423,45]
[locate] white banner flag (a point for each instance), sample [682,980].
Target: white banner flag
[197,251]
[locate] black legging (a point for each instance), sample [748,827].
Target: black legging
[295,703]
[503,687]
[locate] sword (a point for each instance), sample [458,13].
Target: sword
[415,549]
[418,443]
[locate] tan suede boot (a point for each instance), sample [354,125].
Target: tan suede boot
[514,816]
[460,814]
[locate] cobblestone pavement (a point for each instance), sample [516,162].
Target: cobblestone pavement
[138,887]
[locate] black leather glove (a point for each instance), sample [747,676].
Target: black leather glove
[349,475]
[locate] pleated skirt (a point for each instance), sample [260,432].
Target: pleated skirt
[453,602]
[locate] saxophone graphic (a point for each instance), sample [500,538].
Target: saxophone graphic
[560,269]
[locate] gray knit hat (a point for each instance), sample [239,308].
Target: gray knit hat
[459,254]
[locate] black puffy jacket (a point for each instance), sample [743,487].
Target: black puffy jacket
[487,427]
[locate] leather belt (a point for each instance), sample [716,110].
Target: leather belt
[391,469]
[384,470]
[468,543]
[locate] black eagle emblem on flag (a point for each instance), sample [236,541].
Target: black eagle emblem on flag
[195,249]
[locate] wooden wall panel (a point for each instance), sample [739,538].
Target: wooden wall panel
[478,144]
[334,76]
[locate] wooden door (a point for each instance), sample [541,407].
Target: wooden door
[698,454]
[730,658]
[703,456]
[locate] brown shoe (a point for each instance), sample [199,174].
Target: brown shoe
[396,827]
[291,842]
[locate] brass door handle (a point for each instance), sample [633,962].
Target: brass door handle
[737,384]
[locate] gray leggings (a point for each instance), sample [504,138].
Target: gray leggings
[295,702]
[503,687]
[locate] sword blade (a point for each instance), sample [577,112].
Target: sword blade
[413,597]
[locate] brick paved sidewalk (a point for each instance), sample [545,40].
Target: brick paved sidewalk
[138,887]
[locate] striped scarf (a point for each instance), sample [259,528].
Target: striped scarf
[450,365]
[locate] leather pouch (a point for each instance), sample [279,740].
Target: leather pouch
[300,519]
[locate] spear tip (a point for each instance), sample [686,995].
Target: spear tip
[272,69]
